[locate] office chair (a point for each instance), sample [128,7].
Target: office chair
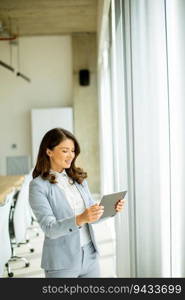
[5,249]
[20,220]
[22,214]
[34,224]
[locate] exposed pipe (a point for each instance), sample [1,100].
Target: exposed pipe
[23,76]
[8,38]
[6,66]
[18,62]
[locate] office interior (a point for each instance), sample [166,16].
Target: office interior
[115,68]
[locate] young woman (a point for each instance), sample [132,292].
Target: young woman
[63,205]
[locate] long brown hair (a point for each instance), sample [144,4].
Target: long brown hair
[50,140]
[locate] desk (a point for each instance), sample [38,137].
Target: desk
[7,183]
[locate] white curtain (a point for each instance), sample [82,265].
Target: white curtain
[151,138]
[106,143]
[141,137]
[144,85]
[175,17]
[120,153]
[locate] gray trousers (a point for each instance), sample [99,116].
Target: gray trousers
[89,267]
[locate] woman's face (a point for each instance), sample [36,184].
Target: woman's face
[62,155]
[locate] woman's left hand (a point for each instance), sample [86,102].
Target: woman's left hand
[119,205]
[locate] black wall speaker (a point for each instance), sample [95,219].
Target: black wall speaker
[84,77]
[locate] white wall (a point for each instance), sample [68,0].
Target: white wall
[48,62]
[86,107]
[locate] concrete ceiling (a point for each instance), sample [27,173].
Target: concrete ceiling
[48,17]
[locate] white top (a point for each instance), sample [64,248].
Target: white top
[75,200]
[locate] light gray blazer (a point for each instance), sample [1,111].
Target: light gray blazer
[61,247]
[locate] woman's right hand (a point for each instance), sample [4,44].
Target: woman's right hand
[90,215]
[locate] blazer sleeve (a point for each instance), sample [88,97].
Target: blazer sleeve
[40,205]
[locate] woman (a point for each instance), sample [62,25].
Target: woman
[64,208]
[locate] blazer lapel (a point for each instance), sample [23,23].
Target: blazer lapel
[65,200]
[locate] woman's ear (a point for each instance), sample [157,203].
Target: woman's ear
[48,152]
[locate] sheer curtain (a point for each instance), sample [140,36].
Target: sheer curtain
[120,148]
[175,19]
[141,137]
[106,138]
[154,41]
[148,136]
[151,138]
[143,84]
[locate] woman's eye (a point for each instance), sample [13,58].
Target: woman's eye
[66,151]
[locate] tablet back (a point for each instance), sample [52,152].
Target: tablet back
[109,201]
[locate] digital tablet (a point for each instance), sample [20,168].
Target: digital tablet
[109,201]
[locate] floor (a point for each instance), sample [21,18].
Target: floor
[104,235]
